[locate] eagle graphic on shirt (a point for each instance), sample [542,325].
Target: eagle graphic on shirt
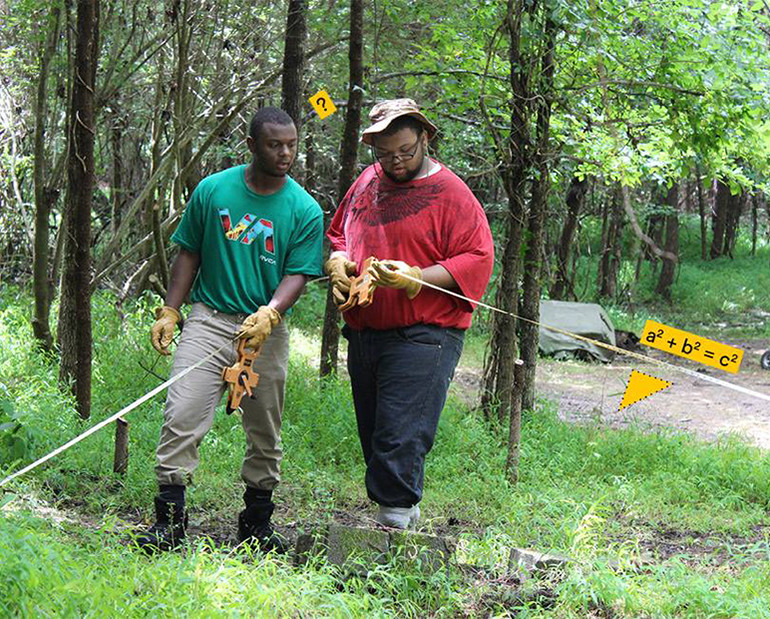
[375,206]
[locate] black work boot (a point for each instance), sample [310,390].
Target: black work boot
[254,522]
[170,526]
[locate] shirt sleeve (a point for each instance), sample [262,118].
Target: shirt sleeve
[470,250]
[189,232]
[307,245]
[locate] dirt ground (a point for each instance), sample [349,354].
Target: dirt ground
[593,391]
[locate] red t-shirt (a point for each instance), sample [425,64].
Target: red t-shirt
[432,220]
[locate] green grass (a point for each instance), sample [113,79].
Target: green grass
[726,296]
[54,571]
[604,497]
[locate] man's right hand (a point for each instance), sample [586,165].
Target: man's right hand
[339,269]
[166,319]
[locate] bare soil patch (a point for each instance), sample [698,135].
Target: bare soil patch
[592,392]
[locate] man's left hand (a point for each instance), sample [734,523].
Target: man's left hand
[340,270]
[258,326]
[390,274]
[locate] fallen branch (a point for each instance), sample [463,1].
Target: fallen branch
[660,253]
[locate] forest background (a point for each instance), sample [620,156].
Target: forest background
[620,151]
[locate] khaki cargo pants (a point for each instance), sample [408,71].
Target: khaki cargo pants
[191,401]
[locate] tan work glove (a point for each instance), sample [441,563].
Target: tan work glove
[166,319]
[390,274]
[339,269]
[258,326]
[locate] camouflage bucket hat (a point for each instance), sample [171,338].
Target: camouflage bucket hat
[386,112]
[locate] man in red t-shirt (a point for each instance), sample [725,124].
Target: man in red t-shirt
[423,224]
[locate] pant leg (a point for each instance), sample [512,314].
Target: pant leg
[190,402]
[414,367]
[262,414]
[363,381]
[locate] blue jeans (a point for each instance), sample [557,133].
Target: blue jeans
[400,379]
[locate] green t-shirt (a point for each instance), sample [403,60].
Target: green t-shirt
[247,242]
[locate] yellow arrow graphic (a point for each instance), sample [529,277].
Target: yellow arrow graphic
[641,385]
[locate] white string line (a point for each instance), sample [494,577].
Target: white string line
[317,279]
[114,417]
[123,411]
[184,372]
[621,351]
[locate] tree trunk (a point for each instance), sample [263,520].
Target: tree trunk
[533,263]
[641,255]
[45,195]
[572,294]
[311,182]
[687,197]
[75,302]
[668,270]
[764,203]
[734,209]
[754,211]
[117,124]
[604,246]
[292,98]
[498,380]
[187,176]
[159,120]
[702,214]
[563,285]
[617,242]
[226,161]
[348,157]
[609,265]
[160,247]
[719,219]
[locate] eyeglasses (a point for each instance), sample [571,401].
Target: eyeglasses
[396,156]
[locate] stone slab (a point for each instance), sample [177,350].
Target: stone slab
[526,561]
[431,552]
[342,543]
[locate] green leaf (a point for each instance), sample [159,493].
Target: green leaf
[7,407]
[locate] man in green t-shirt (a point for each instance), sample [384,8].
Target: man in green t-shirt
[249,239]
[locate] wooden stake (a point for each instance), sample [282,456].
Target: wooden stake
[120,463]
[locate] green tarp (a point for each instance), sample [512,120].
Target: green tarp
[586,319]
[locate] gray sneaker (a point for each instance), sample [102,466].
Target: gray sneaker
[399,517]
